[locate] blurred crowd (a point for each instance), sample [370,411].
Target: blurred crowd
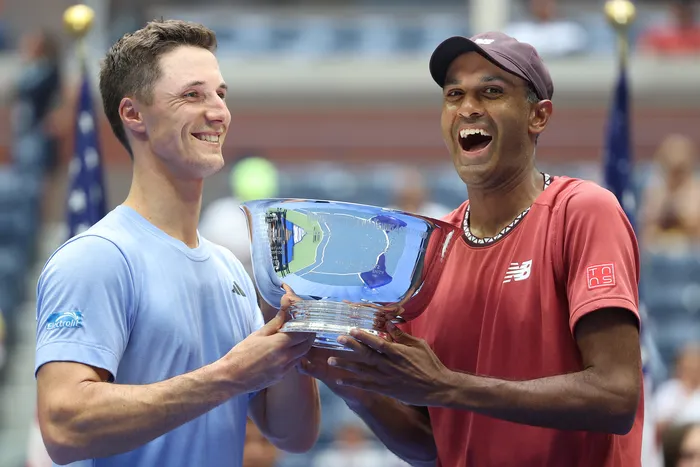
[668,226]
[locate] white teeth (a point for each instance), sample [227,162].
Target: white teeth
[472,131]
[210,138]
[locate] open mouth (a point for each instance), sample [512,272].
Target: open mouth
[209,138]
[472,140]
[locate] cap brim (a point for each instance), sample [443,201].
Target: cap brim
[451,48]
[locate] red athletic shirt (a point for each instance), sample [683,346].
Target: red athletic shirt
[508,310]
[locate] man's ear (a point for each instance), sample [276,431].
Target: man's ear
[132,119]
[539,116]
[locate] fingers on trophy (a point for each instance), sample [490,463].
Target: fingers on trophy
[346,265]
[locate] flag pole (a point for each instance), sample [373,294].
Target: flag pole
[621,14]
[618,147]
[78,20]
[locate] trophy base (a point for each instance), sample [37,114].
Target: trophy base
[330,320]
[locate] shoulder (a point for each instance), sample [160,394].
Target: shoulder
[582,196]
[86,249]
[98,254]
[456,217]
[117,229]
[87,257]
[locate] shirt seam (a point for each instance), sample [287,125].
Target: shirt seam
[81,344]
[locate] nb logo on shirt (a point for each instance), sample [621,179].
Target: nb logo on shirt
[237,289]
[518,272]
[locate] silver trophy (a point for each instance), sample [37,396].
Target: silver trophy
[353,265]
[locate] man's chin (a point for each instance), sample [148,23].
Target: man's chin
[472,170]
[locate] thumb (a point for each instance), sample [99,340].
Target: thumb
[272,326]
[289,298]
[397,335]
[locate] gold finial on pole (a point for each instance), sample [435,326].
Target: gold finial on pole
[621,14]
[77,21]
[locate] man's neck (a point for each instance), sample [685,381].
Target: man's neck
[171,204]
[492,209]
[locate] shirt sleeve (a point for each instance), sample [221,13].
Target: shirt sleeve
[85,296]
[601,256]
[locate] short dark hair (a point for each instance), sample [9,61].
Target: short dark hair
[531,95]
[131,66]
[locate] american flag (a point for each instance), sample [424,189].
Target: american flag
[618,153]
[86,202]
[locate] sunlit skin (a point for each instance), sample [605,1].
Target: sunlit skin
[502,179]
[188,100]
[170,162]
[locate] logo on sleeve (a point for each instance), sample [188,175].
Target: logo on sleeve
[65,319]
[600,275]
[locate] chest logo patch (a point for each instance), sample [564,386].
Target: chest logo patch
[518,271]
[600,275]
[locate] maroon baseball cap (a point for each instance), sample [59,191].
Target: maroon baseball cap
[515,57]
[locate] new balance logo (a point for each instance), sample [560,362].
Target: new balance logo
[237,289]
[518,272]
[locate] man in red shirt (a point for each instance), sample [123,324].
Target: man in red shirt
[529,354]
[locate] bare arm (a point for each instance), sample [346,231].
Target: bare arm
[82,416]
[289,413]
[604,396]
[405,430]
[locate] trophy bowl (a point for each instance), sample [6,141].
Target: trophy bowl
[352,265]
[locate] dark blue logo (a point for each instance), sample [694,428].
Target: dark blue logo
[66,319]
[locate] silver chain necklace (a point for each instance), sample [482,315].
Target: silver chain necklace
[488,240]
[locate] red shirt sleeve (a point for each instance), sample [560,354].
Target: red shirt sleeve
[600,253]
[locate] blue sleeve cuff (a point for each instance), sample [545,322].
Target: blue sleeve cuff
[69,351]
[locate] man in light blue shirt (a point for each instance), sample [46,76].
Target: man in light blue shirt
[151,348]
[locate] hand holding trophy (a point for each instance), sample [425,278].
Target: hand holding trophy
[349,265]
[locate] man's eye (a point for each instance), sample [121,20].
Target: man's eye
[453,93]
[492,91]
[191,94]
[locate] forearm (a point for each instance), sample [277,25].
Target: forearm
[575,401]
[105,419]
[290,414]
[403,429]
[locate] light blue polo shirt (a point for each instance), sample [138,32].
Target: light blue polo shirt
[128,298]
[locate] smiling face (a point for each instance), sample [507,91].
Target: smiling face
[185,124]
[487,122]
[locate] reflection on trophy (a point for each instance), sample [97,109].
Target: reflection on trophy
[354,266]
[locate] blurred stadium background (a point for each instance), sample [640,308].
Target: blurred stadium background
[332,99]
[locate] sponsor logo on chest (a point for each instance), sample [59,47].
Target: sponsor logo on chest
[518,271]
